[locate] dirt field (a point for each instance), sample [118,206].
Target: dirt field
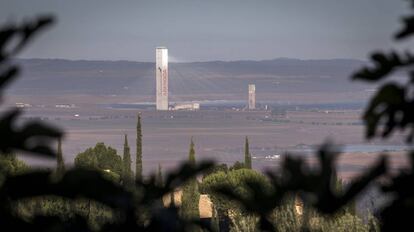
[218,135]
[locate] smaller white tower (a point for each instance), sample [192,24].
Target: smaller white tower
[252,97]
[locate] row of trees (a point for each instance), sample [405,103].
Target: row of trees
[228,215]
[105,158]
[102,158]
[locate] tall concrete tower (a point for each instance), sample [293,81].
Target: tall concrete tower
[161,76]
[252,97]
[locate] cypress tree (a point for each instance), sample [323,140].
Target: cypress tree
[59,205]
[191,154]
[60,169]
[247,156]
[159,179]
[126,169]
[215,220]
[190,197]
[138,160]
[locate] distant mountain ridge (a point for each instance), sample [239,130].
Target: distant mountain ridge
[130,77]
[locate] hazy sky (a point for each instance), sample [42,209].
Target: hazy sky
[196,30]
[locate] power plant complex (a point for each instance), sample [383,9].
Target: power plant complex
[161,77]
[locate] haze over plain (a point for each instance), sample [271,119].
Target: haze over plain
[195,30]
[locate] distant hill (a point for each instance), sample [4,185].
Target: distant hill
[56,76]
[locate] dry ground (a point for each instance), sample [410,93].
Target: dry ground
[218,135]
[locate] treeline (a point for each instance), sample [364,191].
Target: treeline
[226,214]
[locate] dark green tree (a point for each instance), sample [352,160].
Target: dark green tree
[103,158]
[191,196]
[159,179]
[237,165]
[191,153]
[247,156]
[138,158]
[60,168]
[216,168]
[237,181]
[11,165]
[215,220]
[126,168]
[53,205]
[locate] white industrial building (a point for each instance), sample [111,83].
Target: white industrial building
[187,106]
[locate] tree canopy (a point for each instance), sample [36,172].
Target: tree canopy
[100,157]
[235,179]
[11,165]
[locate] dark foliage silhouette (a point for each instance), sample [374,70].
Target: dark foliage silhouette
[32,137]
[138,209]
[392,106]
[392,109]
[315,187]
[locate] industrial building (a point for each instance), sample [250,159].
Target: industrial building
[252,97]
[187,106]
[161,76]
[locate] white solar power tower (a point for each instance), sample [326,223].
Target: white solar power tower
[161,76]
[252,97]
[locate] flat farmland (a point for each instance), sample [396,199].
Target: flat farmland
[218,135]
